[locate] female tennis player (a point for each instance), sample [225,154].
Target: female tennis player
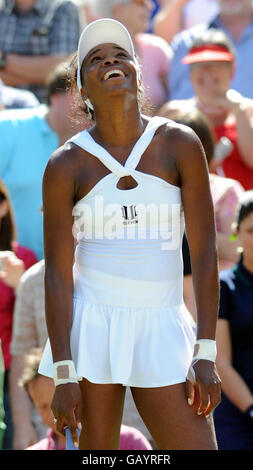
[117,318]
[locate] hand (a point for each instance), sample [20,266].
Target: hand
[204,392]
[67,408]
[24,437]
[230,102]
[11,268]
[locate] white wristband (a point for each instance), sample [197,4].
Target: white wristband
[65,372]
[203,349]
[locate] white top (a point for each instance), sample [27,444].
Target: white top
[130,324]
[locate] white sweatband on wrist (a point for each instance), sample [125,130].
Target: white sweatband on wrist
[65,372]
[203,349]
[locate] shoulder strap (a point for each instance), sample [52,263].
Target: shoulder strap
[84,140]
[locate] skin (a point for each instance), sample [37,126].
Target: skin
[233,384]
[175,154]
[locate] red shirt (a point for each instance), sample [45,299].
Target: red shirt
[234,166]
[7,300]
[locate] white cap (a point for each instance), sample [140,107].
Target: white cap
[105,30]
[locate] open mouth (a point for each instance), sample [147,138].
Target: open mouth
[115,73]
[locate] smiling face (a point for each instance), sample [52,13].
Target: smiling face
[108,70]
[211,80]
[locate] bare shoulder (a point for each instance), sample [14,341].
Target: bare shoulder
[182,139]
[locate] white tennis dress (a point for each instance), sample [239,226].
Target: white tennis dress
[130,324]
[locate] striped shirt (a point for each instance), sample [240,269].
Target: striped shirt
[49,27]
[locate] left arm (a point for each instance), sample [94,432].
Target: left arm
[200,227]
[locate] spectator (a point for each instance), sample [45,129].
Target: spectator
[236,20]
[225,194]
[176,15]
[151,49]
[15,98]
[41,391]
[14,259]
[28,138]
[35,36]
[233,418]
[211,60]
[30,331]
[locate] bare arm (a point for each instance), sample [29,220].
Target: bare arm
[168,21]
[58,196]
[232,383]
[200,228]
[26,70]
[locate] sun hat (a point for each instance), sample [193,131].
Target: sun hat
[105,30]
[208,53]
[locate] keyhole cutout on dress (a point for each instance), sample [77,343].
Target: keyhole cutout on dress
[128,181]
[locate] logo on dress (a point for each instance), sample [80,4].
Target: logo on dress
[129,214]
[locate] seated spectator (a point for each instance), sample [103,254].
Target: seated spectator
[14,98]
[236,20]
[14,260]
[225,192]
[151,49]
[28,138]
[35,36]
[211,60]
[41,391]
[176,15]
[233,418]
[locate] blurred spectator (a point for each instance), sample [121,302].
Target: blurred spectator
[29,331]
[14,98]
[2,425]
[236,20]
[28,138]
[151,49]
[225,192]
[176,15]
[233,418]
[35,36]
[41,391]
[14,260]
[211,60]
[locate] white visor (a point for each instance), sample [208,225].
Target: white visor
[105,30]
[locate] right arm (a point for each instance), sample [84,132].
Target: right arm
[168,21]
[58,197]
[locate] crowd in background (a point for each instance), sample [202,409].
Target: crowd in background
[197,69]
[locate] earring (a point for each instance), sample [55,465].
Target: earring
[89,108]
